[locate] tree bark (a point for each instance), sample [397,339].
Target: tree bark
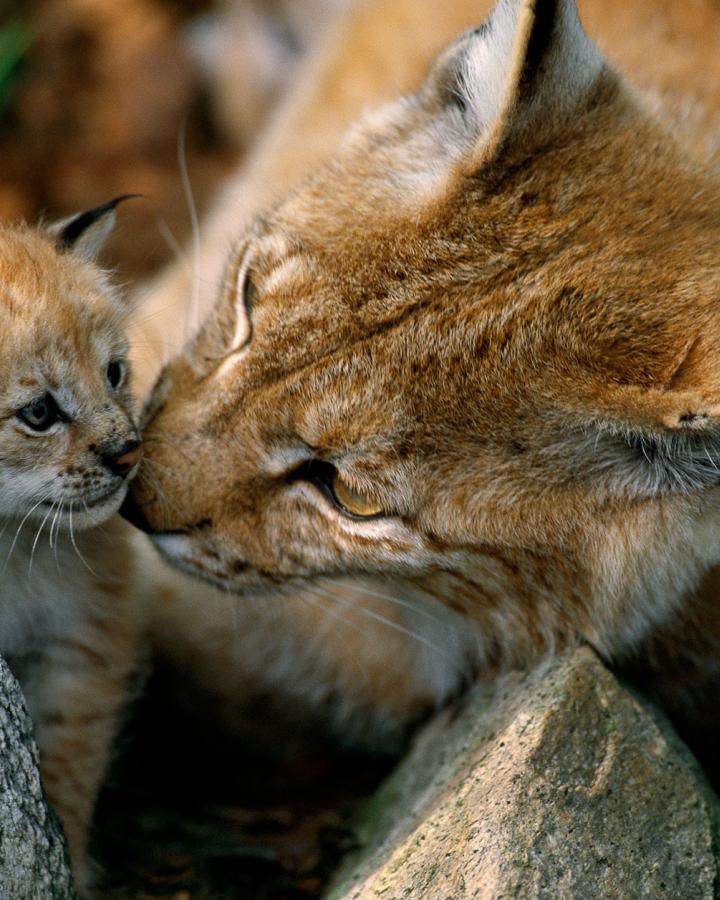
[34,861]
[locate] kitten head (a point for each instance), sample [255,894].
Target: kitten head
[68,438]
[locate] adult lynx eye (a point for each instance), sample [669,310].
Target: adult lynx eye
[352,501]
[41,414]
[349,501]
[115,373]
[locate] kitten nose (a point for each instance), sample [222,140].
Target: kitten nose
[124,459]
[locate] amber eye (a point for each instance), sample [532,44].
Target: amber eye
[353,502]
[326,477]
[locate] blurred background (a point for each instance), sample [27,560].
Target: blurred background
[94,97]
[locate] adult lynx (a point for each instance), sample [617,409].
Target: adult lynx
[465,377]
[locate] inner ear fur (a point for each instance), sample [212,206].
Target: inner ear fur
[85,233]
[650,463]
[654,442]
[529,69]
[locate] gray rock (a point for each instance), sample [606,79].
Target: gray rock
[34,862]
[561,785]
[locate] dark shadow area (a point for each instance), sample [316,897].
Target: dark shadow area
[191,812]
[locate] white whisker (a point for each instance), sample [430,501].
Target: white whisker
[402,629]
[171,241]
[56,527]
[147,475]
[411,634]
[19,528]
[316,599]
[74,543]
[360,588]
[187,189]
[37,536]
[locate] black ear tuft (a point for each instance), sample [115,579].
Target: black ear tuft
[546,16]
[86,232]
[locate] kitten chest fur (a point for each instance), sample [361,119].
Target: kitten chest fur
[45,590]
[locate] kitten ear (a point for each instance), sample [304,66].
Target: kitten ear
[85,233]
[523,73]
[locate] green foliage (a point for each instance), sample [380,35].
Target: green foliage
[15,38]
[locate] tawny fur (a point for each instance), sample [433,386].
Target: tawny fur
[493,307]
[69,616]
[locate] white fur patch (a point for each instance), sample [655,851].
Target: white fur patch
[281,460]
[174,546]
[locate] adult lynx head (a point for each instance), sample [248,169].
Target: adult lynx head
[477,354]
[68,440]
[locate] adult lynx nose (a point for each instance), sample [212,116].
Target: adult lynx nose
[122,461]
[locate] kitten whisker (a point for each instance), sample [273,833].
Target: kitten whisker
[53,523]
[414,635]
[19,529]
[74,543]
[56,527]
[158,465]
[37,536]
[149,316]
[316,600]
[156,439]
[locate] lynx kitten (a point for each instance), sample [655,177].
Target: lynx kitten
[68,448]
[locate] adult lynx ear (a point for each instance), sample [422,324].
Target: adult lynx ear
[652,442]
[523,73]
[85,233]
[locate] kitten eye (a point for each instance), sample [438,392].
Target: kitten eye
[115,372]
[349,501]
[41,414]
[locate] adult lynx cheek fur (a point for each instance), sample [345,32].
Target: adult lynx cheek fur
[68,446]
[469,368]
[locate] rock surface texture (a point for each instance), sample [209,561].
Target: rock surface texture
[561,785]
[34,863]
